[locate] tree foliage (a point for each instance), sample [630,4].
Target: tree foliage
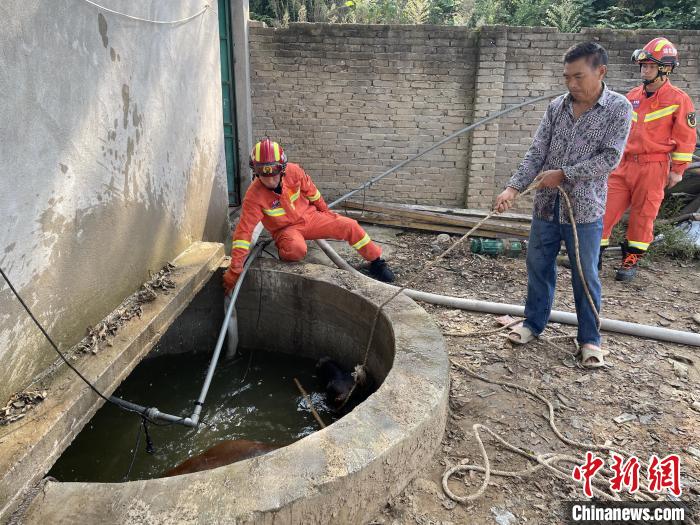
[567,15]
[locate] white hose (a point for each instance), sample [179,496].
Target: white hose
[610,325]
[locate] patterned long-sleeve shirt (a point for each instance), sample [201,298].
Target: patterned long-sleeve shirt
[587,149]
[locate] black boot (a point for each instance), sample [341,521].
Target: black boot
[600,258]
[630,259]
[380,271]
[623,247]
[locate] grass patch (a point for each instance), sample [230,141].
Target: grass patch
[675,244]
[671,206]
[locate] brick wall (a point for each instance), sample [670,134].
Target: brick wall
[350,101]
[534,58]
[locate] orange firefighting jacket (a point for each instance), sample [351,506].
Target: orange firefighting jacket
[276,211]
[663,123]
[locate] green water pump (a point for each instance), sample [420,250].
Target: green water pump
[494,247]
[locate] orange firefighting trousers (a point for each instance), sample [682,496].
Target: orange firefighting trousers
[291,240]
[638,185]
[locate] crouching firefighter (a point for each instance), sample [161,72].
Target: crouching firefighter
[659,148]
[291,208]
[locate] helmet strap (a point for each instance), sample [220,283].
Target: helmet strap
[659,74]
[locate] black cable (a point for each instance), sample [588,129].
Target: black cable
[65,359]
[149,441]
[260,296]
[133,456]
[48,337]
[271,254]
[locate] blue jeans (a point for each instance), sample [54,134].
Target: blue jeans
[543,247]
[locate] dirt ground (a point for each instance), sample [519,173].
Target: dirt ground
[655,382]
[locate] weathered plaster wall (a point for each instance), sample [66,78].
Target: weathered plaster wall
[112,161]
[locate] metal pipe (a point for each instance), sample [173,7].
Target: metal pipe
[152,412]
[440,143]
[610,325]
[222,333]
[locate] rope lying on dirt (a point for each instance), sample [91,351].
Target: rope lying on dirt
[483,332]
[550,461]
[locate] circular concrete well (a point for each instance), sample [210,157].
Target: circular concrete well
[344,473]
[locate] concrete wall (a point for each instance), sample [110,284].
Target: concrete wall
[240,12]
[350,101]
[112,161]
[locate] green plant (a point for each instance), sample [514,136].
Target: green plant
[674,243]
[529,13]
[565,16]
[417,11]
[671,206]
[443,11]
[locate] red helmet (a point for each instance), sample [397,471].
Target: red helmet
[268,159]
[659,51]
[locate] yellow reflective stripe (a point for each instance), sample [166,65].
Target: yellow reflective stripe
[654,115]
[605,242]
[295,196]
[315,196]
[634,116]
[362,242]
[276,148]
[682,157]
[661,44]
[274,212]
[639,245]
[257,152]
[239,243]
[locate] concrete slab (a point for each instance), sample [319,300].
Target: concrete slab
[29,447]
[342,474]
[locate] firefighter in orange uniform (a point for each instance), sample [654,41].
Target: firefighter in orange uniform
[659,148]
[291,208]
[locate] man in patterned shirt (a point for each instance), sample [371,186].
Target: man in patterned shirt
[579,141]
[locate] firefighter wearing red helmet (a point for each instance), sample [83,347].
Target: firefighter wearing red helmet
[291,208]
[659,148]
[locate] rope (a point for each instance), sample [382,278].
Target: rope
[420,274]
[570,209]
[484,332]
[549,461]
[206,6]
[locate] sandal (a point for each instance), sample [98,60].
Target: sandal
[521,335]
[592,356]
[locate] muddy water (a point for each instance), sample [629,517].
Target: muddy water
[252,397]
